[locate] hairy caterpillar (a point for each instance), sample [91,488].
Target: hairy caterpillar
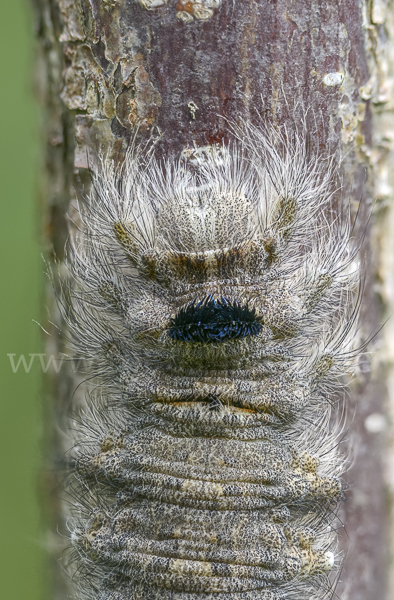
[216,302]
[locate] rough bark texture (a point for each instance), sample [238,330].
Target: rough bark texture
[178,71]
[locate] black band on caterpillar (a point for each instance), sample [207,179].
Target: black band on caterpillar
[217,308]
[213,320]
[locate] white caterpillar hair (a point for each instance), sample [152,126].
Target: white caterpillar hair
[215,298]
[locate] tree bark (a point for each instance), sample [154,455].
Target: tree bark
[178,72]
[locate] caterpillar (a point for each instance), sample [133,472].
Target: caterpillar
[215,301]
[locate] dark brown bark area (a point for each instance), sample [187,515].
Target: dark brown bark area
[110,67]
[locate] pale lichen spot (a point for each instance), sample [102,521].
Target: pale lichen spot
[201,10]
[152,4]
[375,423]
[193,108]
[333,79]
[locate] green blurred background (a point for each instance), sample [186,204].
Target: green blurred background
[22,533]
